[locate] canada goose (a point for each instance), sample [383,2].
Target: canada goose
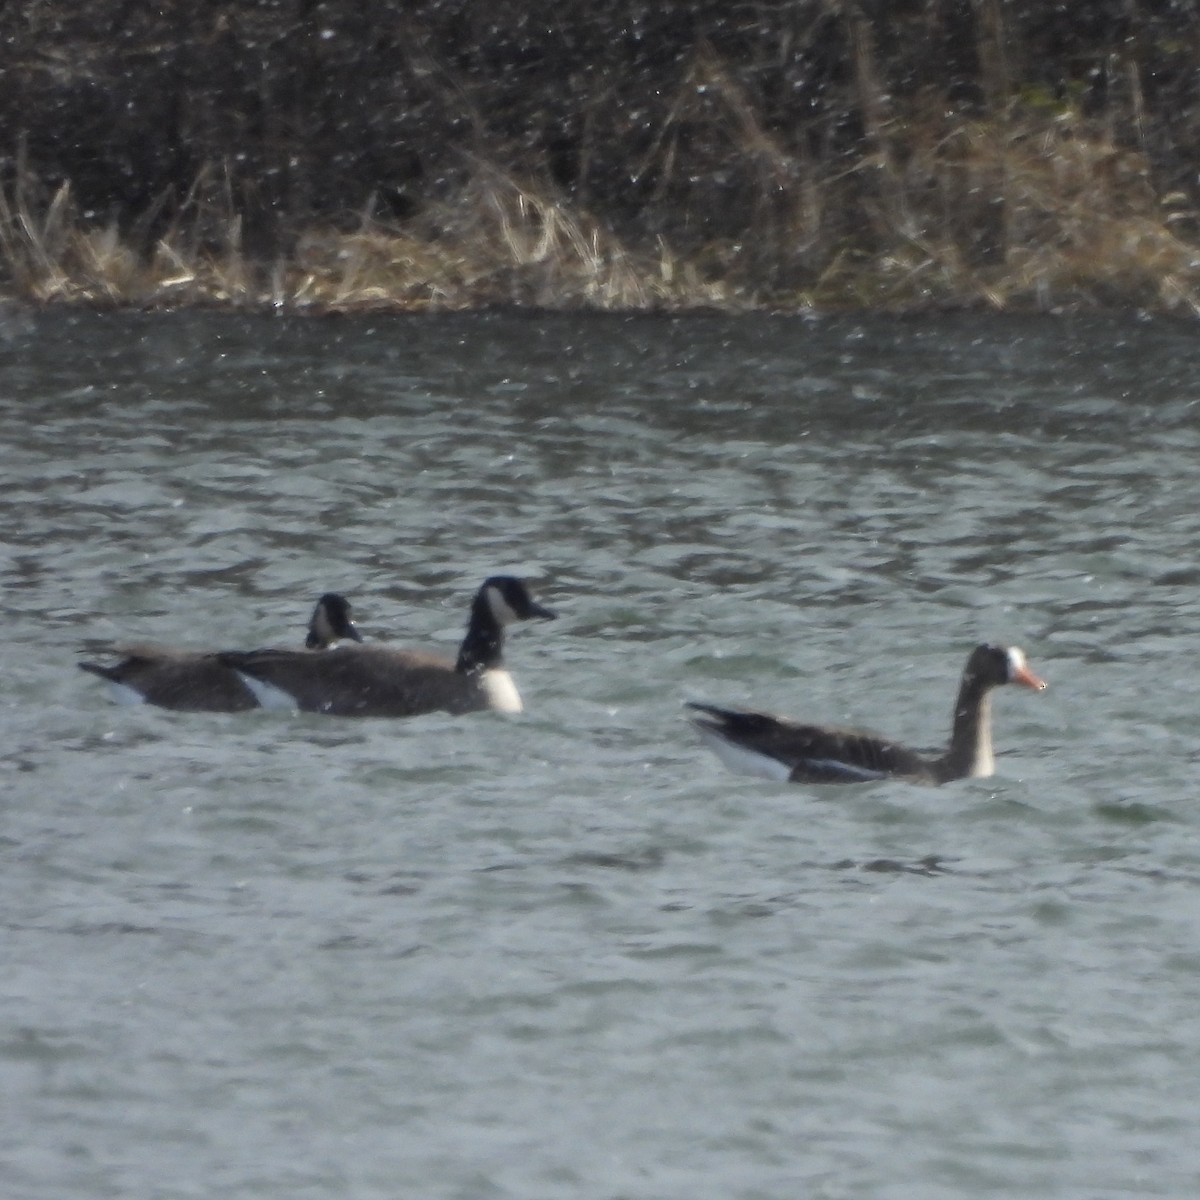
[757,743]
[381,681]
[194,681]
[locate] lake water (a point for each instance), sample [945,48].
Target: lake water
[566,954]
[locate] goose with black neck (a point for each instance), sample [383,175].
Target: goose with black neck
[375,680]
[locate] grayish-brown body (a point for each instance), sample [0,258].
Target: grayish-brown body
[195,681]
[382,681]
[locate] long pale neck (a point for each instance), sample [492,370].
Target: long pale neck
[970,752]
[483,647]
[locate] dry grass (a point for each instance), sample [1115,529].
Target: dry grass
[1023,213]
[1027,210]
[53,255]
[499,242]
[1084,221]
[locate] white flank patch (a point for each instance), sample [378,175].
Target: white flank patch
[501,692]
[500,607]
[122,693]
[740,760]
[848,771]
[268,695]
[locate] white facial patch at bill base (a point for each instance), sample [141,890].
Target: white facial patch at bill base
[1016,661]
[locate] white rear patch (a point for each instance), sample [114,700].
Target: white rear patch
[268,695]
[500,690]
[740,760]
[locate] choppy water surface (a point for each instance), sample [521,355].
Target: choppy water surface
[565,954]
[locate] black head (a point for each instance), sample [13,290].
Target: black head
[331,623]
[996,665]
[508,600]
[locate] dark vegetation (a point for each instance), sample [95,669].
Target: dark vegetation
[631,153]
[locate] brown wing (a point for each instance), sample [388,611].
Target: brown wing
[356,681]
[180,681]
[815,753]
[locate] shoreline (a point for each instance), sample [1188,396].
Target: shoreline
[509,244]
[823,157]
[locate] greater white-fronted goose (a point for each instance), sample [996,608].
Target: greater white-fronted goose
[382,681]
[195,681]
[758,743]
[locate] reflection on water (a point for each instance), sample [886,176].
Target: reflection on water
[566,953]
